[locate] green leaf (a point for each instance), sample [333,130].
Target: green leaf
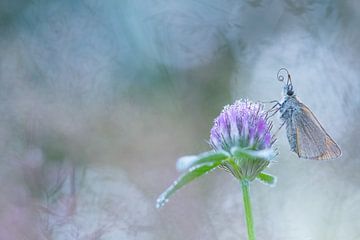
[187,162]
[243,153]
[193,173]
[267,179]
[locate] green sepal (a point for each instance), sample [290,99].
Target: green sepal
[250,163]
[267,179]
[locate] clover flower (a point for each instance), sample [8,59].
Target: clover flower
[242,145]
[242,124]
[243,130]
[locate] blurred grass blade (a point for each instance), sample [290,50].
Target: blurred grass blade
[193,173]
[187,162]
[267,179]
[241,153]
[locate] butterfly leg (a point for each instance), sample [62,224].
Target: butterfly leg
[274,109]
[273,101]
[277,131]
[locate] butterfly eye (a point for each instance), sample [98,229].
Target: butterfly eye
[290,92]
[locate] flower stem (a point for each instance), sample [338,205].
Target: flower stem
[247,206]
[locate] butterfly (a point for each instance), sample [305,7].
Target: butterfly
[307,138]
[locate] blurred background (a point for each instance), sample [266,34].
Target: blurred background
[99,98]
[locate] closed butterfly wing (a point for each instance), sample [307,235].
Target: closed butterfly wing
[312,141]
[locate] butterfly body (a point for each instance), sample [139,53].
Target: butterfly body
[307,138]
[289,107]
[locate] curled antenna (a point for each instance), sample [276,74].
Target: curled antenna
[281,77]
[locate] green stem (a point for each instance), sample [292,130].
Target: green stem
[247,205]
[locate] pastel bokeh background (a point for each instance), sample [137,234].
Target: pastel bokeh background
[99,98]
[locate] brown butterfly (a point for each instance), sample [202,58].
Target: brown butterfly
[305,134]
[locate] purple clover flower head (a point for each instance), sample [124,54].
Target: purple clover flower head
[242,124]
[243,130]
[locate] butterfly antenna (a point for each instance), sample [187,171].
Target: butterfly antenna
[281,77]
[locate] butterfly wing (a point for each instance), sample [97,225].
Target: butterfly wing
[311,139]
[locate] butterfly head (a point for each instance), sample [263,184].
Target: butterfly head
[288,90]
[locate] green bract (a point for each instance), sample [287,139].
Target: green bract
[241,163]
[200,165]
